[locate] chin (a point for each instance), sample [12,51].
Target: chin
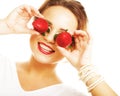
[47,60]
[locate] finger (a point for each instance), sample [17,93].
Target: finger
[82,33]
[31,31]
[30,10]
[23,10]
[26,8]
[63,51]
[80,44]
[77,43]
[28,31]
[34,32]
[35,12]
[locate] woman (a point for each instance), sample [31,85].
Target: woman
[37,77]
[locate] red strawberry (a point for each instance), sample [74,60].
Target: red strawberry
[64,39]
[40,25]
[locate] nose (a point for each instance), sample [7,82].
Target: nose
[50,37]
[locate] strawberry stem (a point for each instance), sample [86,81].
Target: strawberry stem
[55,36]
[48,31]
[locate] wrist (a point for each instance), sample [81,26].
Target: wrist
[90,76]
[4,28]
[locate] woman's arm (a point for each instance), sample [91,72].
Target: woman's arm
[87,72]
[103,89]
[95,82]
[3,27]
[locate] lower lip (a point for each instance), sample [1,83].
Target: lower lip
[43,50]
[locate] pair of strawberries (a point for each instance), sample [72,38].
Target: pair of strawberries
[63,39]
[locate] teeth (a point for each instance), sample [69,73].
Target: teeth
[45,47]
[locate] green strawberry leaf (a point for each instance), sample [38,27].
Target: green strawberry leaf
[48,31]
[55,36]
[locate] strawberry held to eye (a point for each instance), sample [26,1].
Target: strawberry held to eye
[40,25]
[64,39]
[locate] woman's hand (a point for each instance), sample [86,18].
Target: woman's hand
[18,19]
[80,55]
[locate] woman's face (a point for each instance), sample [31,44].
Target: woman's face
[43,47]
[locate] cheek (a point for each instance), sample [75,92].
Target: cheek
[33,37]
[33,42]
[40,57]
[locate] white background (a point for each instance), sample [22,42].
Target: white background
[104,25]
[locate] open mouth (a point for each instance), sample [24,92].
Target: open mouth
[45,49]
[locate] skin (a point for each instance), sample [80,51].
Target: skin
[39,64]
[52,14]
[28,71]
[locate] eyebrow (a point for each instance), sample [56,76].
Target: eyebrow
[62,29]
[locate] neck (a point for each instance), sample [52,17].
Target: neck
[45,74]
[34,65]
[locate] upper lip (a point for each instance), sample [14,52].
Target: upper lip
[44,48]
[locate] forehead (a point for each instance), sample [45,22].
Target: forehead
[61,17]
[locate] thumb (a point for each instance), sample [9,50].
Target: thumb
[63,51]
[30,31]
[34,32]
